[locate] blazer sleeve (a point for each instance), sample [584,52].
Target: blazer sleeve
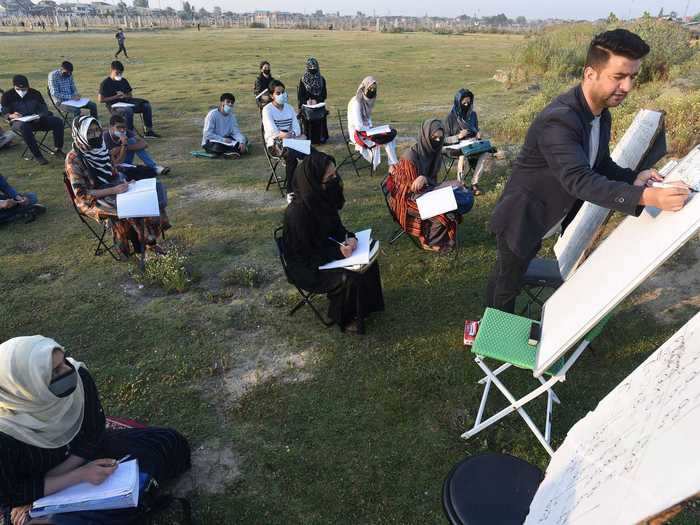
[560,144]
[612,171]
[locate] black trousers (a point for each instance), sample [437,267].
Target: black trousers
[121,49]
[47,123]
[140,106]
[217,148]
[291,159]
[506,279]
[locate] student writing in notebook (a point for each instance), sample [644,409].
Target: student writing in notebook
[417,173]
[53,435]
[96,182]
[315,235]
[221,134]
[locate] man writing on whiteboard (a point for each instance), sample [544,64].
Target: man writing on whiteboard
[565,158]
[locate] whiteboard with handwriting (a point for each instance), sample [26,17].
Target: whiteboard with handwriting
[628,153]
[636,454]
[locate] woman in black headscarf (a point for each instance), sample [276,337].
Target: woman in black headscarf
[314,235]
[417,173]
[311,91]
[463,122]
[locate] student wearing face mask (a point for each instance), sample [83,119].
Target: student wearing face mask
[62,88]
[312,90]
[463,122]
[96,183]
[415,174]
[280,122]
[360,120]
[315,235]
[53,434]
[116,89]
[23,101]
[262,83]
[124,144]
[221,134]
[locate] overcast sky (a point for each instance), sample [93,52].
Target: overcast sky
[532,9]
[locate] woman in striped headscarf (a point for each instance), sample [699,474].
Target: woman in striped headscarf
[312,91]
[96,183]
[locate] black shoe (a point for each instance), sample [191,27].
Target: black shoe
[58,152]
[232,155]
[152,134]
[38,209]
[41,161]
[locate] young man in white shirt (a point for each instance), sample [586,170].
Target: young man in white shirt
[280,122]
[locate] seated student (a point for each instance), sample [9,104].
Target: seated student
[262,83]
[462,121]
[416,174]
[312,90]
[360,120]
[53,434]
[14,205]
[221,135]
[312,226]
[96,183]
[123,145]
[280,122]
[115,89]
[23,101]
[62,88]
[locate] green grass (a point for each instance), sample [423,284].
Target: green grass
[369,433]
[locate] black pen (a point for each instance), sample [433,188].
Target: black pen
[338,242]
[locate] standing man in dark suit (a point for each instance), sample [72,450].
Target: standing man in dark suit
[566,158]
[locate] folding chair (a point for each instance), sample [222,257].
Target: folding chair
[274,163]
[42,147]
[354,157]
[541,274]
[67,118]
[87,221]
[399,231]
[503,337]
[306,297]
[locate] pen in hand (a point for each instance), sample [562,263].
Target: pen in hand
[338,242]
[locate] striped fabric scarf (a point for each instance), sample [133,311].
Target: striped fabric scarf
[97,159]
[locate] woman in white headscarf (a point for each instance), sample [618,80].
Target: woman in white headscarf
[360,121]
[96,183]
[52,432]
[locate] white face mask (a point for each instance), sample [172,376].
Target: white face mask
[281,99]
[118,78]
[21,92]
[227,108]
[119,134]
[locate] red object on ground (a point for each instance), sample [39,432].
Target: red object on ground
[470,330]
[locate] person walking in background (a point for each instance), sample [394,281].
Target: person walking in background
[121,37]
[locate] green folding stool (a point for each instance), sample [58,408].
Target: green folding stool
[503,337]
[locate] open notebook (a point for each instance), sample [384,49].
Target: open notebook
[141,200]
[119,491]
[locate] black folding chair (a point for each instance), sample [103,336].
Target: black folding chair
[42,147]
[274,163]
[306,297]
[354,157]
[67,118]
[399,231]
[102,247]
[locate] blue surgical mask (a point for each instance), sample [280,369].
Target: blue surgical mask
[282,98]
[119,134]
[227,108]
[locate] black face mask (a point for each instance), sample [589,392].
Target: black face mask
[266,72]
[371,93]
[436,144]
[64,74]
[95,142]
[313,71]
[333,191]
[65,384]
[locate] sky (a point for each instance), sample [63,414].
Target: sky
[531,9]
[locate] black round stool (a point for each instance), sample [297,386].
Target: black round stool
[490,489]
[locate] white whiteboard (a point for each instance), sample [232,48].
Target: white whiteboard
[628,153]
[635,455]
[637,247]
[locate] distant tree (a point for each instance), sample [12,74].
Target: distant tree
[170,11]
[696,18]
[217,11]
[673,15]
[122,7]
[228,13]
[521,20]
[359,14]
[203,13]
[319,12]
[187,11]
[141,3]
[646,14]
[612,18]
[661,13]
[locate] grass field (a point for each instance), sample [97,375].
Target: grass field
[305,425]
